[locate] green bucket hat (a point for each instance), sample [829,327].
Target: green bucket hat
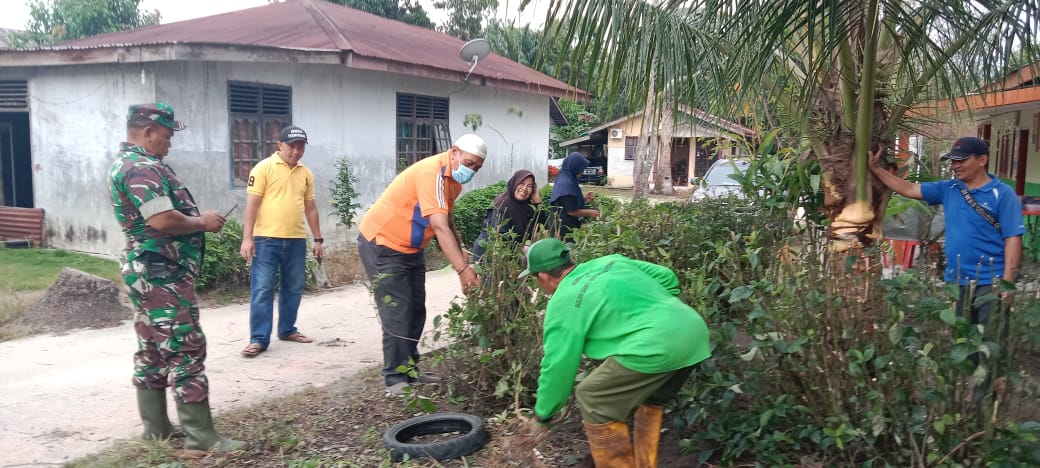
[158,112]
[546,255]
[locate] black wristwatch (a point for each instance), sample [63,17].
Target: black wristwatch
[319,240]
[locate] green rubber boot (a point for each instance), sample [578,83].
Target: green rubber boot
[199,433]
[151,404]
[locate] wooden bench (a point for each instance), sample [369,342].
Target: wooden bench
[21,224]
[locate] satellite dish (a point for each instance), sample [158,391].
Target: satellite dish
[472,52]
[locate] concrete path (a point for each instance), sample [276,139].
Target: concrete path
[62,397]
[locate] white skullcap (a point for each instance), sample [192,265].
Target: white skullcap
[472,144]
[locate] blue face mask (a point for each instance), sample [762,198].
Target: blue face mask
[462,175]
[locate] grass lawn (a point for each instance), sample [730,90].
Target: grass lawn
[36,269]
[25,274]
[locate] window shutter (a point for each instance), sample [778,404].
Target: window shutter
[257,113]
[422,127]
[440,108]
[243,98]
[14,96]
[277,100]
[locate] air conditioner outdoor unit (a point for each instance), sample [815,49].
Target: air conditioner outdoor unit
[616,133]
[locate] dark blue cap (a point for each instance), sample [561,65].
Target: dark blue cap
[965,148]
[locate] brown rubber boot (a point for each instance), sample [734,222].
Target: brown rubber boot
[610,444]
[646,435]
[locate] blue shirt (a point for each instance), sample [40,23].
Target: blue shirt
[974,248]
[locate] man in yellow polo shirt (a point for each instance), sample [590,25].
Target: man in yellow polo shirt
[280,194]
[415,207]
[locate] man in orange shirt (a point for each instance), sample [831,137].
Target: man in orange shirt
[416,206]
[280,194]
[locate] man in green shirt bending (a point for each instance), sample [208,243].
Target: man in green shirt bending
[628,314]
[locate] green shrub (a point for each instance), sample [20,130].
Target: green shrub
[496,333]
[545,191]
[607,206]
[223,268]
[814,360]
[344,195]
[858,371]
[471,208]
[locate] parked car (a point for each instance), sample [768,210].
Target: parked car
[593,175]
[717,181]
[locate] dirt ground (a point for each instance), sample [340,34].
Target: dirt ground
[299,403]
[322,403]
[75,301]
[341,425]
[91,369]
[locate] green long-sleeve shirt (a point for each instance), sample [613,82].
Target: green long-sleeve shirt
[616,306]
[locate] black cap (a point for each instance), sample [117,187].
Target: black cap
[965,148]
[292,134]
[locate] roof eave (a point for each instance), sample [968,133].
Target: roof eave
[574,141]
[163,53]
[241,53]
[982,104]
[383,65]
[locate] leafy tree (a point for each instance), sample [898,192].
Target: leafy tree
[579,122]
[534,48]
[405,11]
[60,20]
[520,44]
[843,74]
[466,18]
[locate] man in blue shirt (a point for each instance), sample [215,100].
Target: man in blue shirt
[981,249]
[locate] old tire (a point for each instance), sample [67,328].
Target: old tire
[473,436]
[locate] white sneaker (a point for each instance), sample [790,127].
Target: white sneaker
[397,389]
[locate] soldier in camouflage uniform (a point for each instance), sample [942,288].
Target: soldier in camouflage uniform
[162,258]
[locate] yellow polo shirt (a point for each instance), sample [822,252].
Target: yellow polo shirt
[282,191]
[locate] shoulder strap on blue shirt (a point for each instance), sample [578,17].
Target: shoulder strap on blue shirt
[979,209]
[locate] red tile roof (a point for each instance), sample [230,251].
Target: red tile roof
[374,42]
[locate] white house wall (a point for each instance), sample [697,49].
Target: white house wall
[621,171]
[77,120]
[1011,122]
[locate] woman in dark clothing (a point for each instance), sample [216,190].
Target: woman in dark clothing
[566,195]
[515,211]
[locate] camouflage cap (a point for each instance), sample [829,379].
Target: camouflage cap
[158,112]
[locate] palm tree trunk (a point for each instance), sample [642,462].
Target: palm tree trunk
[663,180]
[647,137]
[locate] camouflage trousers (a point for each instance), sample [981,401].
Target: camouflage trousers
[170,342]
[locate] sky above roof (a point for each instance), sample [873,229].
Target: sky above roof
[14,14]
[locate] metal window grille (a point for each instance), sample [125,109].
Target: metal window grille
[630,147]
[422,128]
[257,113]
